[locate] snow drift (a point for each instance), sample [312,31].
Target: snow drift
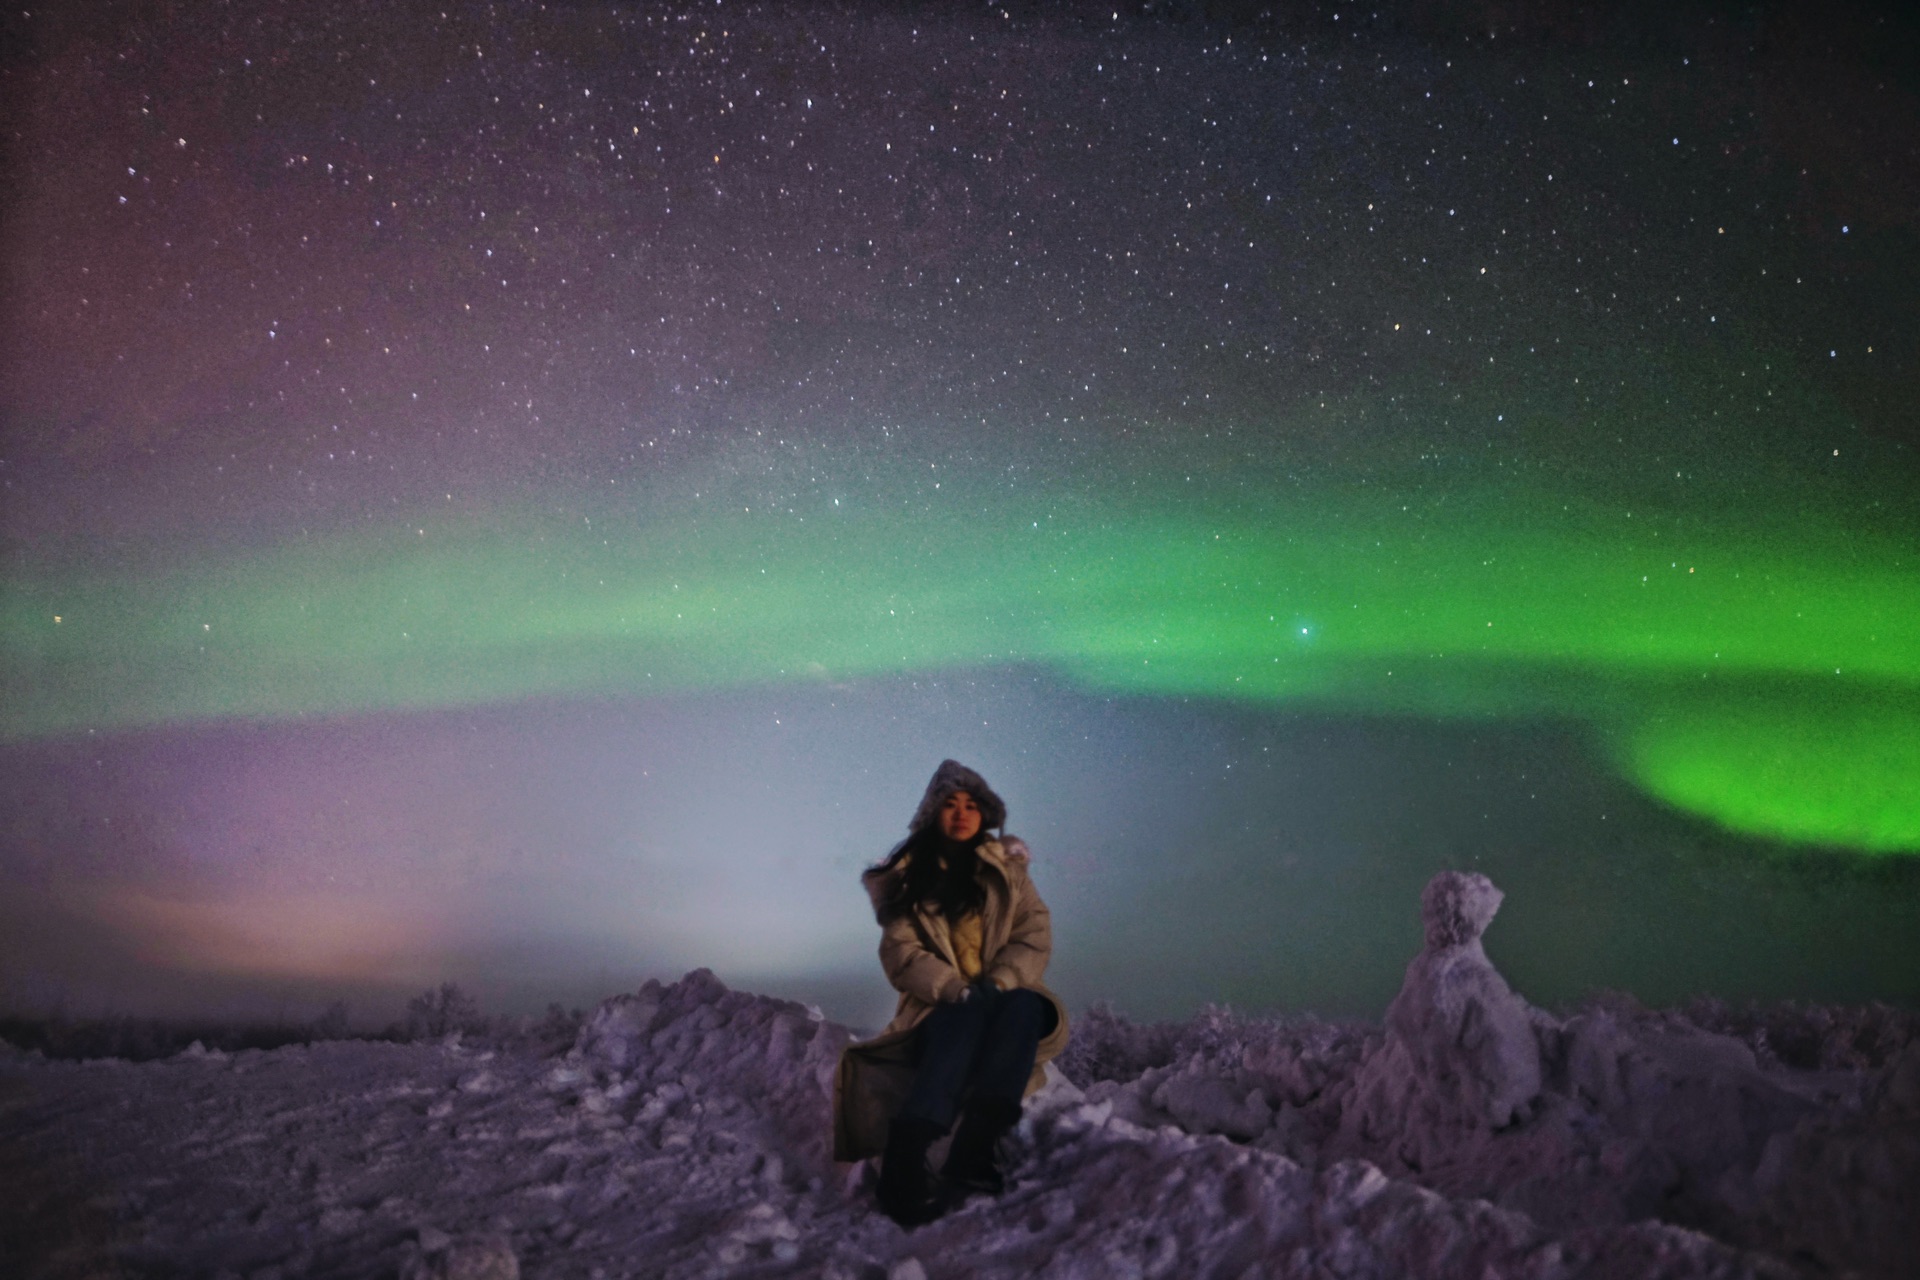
[685,1134]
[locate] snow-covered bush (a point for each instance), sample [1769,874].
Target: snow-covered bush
[1108,1046]
[443,1010]
[553,1032]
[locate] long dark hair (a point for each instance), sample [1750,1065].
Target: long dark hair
[939,871]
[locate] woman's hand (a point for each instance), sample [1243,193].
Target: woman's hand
[982,988]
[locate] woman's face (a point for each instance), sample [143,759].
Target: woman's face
[960,817]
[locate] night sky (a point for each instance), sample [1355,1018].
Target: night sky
[526,494]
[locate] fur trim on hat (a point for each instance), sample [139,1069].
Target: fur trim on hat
[953,776]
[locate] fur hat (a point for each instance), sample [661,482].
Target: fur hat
[953,776]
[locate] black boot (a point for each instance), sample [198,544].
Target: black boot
[906,1189]
[973,1161]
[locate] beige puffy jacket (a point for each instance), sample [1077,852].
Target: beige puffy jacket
[916,952]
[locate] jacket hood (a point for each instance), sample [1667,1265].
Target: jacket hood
[953,776]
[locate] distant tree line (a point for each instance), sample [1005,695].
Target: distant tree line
[434,1014]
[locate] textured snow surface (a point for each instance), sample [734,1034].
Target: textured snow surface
[686,1135]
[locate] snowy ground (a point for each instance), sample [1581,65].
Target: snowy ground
[685,1135]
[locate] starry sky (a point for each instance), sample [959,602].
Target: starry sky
[527,493]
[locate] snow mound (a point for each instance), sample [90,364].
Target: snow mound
[1096,1195]
[1844,1185]
[766,1065]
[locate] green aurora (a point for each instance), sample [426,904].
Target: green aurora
[1764,676]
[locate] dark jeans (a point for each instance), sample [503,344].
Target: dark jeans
[983,1047]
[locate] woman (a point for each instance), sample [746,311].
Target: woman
[964,938]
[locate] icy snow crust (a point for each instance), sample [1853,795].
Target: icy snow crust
[685,1135]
